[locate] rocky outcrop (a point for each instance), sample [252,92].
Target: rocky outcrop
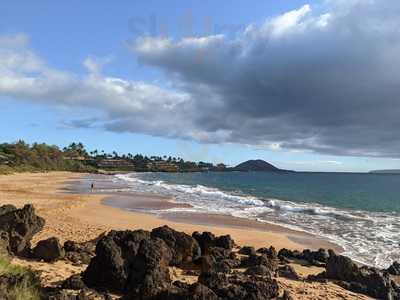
[4,209]
[207,240]
[183,291]
[240,287]
[81,253]
[130,262]
[18,226]
[287,271]
[209,263]
[269,252]
[320,255]
[247,250]
[184,248]
[136,265]
[74,282]
[48,250]
[317,258]
[369,281]
[341,267]
[260,270]
[394,269]
[257,260]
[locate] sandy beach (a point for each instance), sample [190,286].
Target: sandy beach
[81,216]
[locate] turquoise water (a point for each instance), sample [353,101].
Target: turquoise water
[369,192]
[360,212]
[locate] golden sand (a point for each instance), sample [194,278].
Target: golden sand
[84,217]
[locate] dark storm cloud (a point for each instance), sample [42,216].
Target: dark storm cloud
[328,83]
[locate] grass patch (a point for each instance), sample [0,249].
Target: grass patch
[27,287]
[5,170]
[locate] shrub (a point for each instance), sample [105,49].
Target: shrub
[27,286]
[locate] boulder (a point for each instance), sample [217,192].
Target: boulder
[259,270]
[256,260]
[206,263]
[232,262]
[4,209]
[247,250]
[394,269]
[198,291]
[182,291]
[131,263]
[184,247]
[321,255]
[205,240]
[79,258]
[48,250]
[81,253]
[209,263]
[288,271]
[208,240]
[369,281]
[74,282]
[240,287]
[287,253]
[222,266]
[315,257]
[219,253]
[224,241]
[213,280]
[20,225]
[269,252]
[341,268]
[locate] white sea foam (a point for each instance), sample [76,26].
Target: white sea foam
[370,238]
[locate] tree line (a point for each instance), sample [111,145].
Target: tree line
[21,156]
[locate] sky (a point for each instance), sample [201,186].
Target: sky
[305,85]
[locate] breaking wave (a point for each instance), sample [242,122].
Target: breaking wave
[368,237]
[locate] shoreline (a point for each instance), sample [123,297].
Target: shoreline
[82,217]
[150,205]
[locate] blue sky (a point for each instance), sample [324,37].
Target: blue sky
[63,34]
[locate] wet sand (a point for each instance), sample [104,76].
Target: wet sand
[118,196]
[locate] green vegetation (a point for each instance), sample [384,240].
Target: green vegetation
[26,285]
[22,157]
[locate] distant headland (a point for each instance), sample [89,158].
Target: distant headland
[393,171]
[257,165]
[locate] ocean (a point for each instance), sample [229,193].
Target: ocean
[360,212]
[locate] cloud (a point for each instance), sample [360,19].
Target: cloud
[323,81]
[326,82]
[114,103]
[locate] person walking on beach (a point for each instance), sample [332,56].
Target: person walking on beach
[92,187]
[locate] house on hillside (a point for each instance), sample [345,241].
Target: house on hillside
[115,164]
[162,166]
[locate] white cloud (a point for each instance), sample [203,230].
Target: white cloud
[125,105]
